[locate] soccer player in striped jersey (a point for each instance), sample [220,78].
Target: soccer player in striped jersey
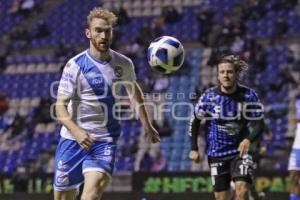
[294,161]
[233,118]
[85,106]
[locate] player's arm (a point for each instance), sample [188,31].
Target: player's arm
[193,131]
[66,90]
[255,124]
[63,116]
[137,99]
[256,128]
[200,112]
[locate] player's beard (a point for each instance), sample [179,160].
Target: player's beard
[99,47]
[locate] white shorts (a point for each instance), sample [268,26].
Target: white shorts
[294,161]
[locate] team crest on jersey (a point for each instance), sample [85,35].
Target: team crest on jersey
[61,165]
[62,178]
[118,71]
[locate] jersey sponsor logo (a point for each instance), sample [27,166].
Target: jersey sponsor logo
[97,81]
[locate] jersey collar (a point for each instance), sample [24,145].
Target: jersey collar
[238,89]
[103,62]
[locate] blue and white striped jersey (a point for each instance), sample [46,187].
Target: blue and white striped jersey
[226,118]
[89,84]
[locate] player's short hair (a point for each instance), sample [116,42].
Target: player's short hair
[103,14]
[239,64]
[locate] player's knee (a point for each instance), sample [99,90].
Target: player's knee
[90,196]
[295,182]
[219,196]
[295,178]
[222,195]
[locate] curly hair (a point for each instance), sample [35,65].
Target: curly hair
[239,64]
[103,14]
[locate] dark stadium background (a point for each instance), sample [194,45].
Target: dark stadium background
[39,36]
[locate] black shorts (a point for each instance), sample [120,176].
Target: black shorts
[226,169]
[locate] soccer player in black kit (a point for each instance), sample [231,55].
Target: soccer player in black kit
[233,118]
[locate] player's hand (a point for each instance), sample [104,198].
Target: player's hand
[84,139]
[263,150]
[152,135]
[244,147]
[194,156]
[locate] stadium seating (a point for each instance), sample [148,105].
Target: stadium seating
[10,21]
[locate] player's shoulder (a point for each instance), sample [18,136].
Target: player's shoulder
[247,91]
[208,94]
[120,59]
[211,91]
[76,60]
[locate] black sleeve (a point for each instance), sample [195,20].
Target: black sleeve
[194,130]
[256,128]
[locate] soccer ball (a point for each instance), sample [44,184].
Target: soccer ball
[165,54]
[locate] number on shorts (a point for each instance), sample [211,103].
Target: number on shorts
[244,169]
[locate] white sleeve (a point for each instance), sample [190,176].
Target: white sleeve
[68,81]
[129,73]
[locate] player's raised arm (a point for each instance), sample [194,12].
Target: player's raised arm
[137,98]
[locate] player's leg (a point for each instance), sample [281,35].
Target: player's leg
[68,169]
[97,170]
[294,168]
[224,195]
[295,185]
[254,194]
[220,174]
[65,195]
[241,170]
[242,190]
[94,185]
